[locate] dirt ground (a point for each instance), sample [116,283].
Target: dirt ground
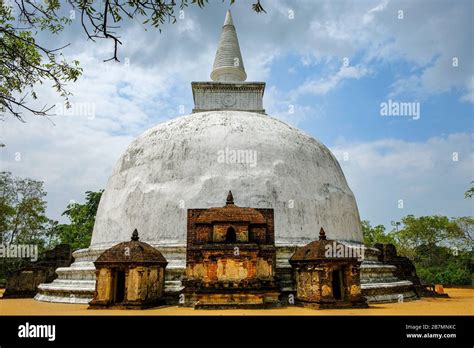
[461,302]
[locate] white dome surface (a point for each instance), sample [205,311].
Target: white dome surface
[179,165]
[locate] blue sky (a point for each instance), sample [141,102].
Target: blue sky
[298,48]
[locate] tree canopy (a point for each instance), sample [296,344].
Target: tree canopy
[441,248]
[78,232]
[23,217]
[469,193]
[376,234]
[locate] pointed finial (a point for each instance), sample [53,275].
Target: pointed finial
[135,235]
[228,64]
[228,19]
[322,234]
[230,198]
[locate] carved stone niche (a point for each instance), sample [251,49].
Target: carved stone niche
[325,280]
[129,275]
[230,258]
[24,282]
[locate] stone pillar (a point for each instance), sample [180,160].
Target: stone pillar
[133,285]
[105,285]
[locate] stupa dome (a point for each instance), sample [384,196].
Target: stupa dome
[192,161]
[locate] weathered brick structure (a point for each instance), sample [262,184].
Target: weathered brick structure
[405,267]
[324,280]
[230,258]
[129,275]
[24,282]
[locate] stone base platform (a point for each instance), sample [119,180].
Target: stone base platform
[233,300]
[127,305]
[76,284]
[331,305]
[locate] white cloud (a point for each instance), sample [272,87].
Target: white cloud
[324,85]
[428,37]
[469,96]
[369,15]
[280,105]
[430,45]
[422,174]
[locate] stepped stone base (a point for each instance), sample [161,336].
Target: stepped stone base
[76,284]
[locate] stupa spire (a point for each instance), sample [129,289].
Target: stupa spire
[228,64]
[228,19]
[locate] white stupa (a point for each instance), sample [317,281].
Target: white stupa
[227,143]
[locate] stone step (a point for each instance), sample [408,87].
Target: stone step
[379,280]
[287,289]
[397,284]
[376,267]
[76,273]
[401,290]
[377,273]
[173,286]
[82,264]
[70,282]
[64,297]
[79,288]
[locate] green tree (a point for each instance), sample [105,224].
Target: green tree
[440,264]
[23,218]
[441,248]
[24,62]
[376,234]
[78,232]
[430,231]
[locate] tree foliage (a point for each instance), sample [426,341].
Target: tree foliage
[376,234]
[469,193]
[445,265]
[24,62]
[78,232]
[428,231]
[23,218]
[441,248]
